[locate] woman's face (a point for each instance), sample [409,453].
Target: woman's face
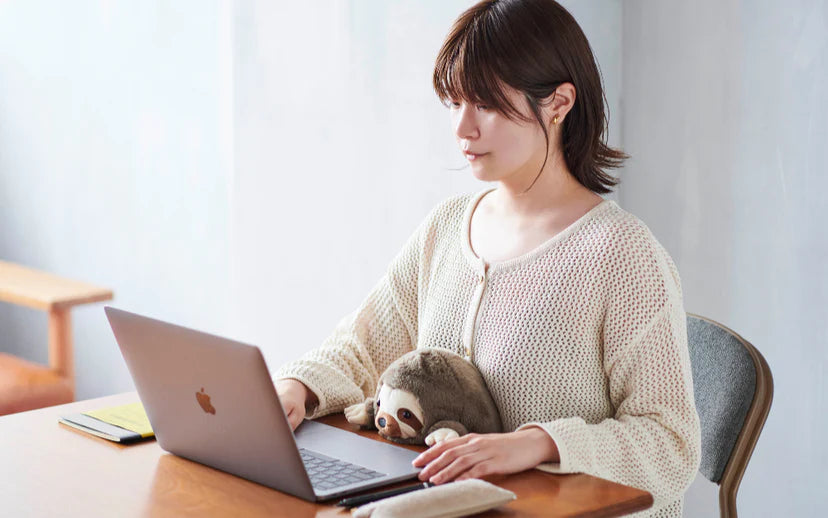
[496,147]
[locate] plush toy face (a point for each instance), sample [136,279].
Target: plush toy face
[397,413]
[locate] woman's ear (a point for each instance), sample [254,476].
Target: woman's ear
[559,103]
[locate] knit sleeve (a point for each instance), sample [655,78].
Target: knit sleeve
[345,369]
[652,442]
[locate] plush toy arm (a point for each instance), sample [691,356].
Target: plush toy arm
[442,430]
[361,413]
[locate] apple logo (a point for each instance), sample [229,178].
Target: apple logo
[204,401]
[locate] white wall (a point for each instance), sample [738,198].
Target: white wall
[115,165]
[724,113]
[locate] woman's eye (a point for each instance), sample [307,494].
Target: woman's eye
[482,107]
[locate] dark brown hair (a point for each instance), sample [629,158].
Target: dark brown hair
[533,46]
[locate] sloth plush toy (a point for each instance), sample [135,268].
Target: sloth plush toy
[426,396]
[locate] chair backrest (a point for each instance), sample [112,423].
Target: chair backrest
[733,388]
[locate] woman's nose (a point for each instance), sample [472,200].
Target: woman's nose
[465,125]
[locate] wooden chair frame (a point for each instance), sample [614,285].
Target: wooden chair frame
[57,296]
[752,427]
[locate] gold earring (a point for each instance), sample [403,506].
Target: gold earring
[555,120]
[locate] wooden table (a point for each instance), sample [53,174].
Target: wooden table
[49,469]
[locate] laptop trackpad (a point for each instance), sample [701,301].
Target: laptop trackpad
[350,447]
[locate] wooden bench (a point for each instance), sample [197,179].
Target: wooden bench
[26,385]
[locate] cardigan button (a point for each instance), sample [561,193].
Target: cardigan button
[468,351]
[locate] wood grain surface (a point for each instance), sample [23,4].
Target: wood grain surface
[50,469]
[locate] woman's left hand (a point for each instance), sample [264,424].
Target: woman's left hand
[478,455]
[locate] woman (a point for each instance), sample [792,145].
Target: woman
[567,304]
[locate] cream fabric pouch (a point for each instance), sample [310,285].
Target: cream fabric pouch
[445,501]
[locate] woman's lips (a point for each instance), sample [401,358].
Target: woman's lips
[473,156]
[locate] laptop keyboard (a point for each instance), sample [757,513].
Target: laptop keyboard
[328,473]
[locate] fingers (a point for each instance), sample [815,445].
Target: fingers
[435,451]
[291,417]
[464,450]
[294,415]
[292,404]
[460,466]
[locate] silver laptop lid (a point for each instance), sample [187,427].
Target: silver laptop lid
[211,400]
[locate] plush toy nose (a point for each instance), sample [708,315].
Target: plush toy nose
[388,425]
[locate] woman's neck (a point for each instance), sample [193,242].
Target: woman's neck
[554,190]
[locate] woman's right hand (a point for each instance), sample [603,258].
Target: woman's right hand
[295,398]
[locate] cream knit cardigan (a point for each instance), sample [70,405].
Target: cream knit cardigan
[584,336]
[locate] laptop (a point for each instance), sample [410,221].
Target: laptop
[212,400]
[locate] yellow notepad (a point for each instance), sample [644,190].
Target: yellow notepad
[125,423]
[131,416]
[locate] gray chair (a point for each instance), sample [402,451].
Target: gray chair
[733,387]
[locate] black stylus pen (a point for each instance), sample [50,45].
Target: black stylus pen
[379,495]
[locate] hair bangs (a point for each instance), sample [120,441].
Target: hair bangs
[466,70]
